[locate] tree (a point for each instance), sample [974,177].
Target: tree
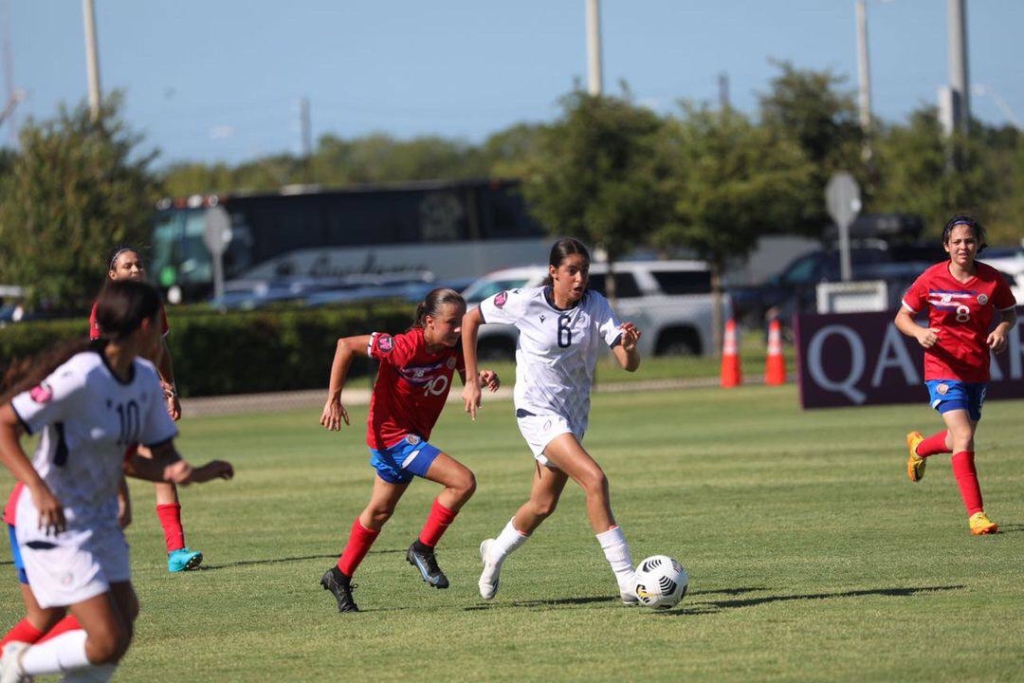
[597,176]
[808,108]
[77,189]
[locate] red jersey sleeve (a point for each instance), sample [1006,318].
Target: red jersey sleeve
[94,329]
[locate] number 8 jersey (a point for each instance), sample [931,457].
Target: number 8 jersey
[88,419]
[557,350]
[962,312]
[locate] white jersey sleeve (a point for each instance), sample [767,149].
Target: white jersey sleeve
[157,426]
[53,400]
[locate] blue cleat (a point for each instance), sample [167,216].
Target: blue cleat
[183,560]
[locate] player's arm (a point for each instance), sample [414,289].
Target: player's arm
[347,349]
[167,465]
[998,337]
[925,336]
[14,458]
[165,367]
[471,323]
[625,350]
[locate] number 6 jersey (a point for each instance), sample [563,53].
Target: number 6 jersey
[557,350]
[88,419]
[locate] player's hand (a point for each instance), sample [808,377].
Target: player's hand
[927,337]
[630,336]
[333,414]
[178,472]
[997,341]
[171,397]
[51,511]
[489,379]
[471,398]
[215,469]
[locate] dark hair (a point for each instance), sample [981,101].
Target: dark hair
[978,228]
[123,305]
[117,251]
[21,374]
[561,250]
[433,301]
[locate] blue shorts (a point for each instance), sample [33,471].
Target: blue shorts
[19,564]
[399,463]
[949,394]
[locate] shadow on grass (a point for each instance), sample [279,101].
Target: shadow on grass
[247,563]
[716,606]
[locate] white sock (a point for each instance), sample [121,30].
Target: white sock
[508,540]
[100,673]
[63,653]
[616,551]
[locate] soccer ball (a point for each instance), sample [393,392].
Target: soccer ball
[660,582]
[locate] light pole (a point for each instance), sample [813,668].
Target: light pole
[92,61]
[594,79]
[863,67]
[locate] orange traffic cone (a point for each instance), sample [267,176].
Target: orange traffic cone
[775,365]
[731,374]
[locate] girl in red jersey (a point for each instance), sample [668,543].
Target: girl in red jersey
[126,264]
[415,376]
[962,297]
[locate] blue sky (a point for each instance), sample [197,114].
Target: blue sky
[221,80]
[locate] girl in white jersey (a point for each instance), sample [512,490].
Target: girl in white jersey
[90,405]
[562,327]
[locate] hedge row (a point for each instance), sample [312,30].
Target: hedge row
[239,352]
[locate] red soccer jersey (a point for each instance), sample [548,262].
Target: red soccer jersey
[411,388]
[94,328]
[962,312]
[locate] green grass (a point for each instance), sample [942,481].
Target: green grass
[811,555]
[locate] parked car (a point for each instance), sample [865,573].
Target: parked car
[670,301]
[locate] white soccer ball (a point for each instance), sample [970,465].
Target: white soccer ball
[660,582]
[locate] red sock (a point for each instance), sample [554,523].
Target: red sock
[967,480]
[68,623]
[437,523]
[932,445]
[170,519]
[359,542]
[22,632]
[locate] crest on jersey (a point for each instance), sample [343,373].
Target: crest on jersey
[500,298]
[385,343]
[942,389]
[983,299]
[451,362]
[412,439]
[42,393]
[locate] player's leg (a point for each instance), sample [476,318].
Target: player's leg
[364,532]
[459,485]
[37,621]
[168,510]
[567,453]
[546,489]
[961,418]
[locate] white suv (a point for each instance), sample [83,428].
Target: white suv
[670,301]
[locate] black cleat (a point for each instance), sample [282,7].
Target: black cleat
[341,586]
[422,557]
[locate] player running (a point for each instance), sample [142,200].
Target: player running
[90,401]
[415,376]
[562,326]
[962,297]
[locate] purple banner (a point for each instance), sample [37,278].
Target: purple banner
[853,359]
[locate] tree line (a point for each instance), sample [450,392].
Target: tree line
[701,179]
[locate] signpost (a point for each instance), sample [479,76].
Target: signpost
[217,237]
[842,196]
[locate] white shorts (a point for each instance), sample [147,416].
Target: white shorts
[540,430]
[75,565]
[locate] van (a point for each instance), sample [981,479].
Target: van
[670,301]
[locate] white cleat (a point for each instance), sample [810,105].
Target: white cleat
[490,576]
[10,664]
[628,593]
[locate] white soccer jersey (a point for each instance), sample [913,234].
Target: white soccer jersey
[557,350]
[88,420]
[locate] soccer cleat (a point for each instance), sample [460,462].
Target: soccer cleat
[183,560]
[915,463]
[490,576]
[10,664]
[423,559]
[341,586]
[981,525]
[629,598]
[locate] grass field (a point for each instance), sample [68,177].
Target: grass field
[811,555]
